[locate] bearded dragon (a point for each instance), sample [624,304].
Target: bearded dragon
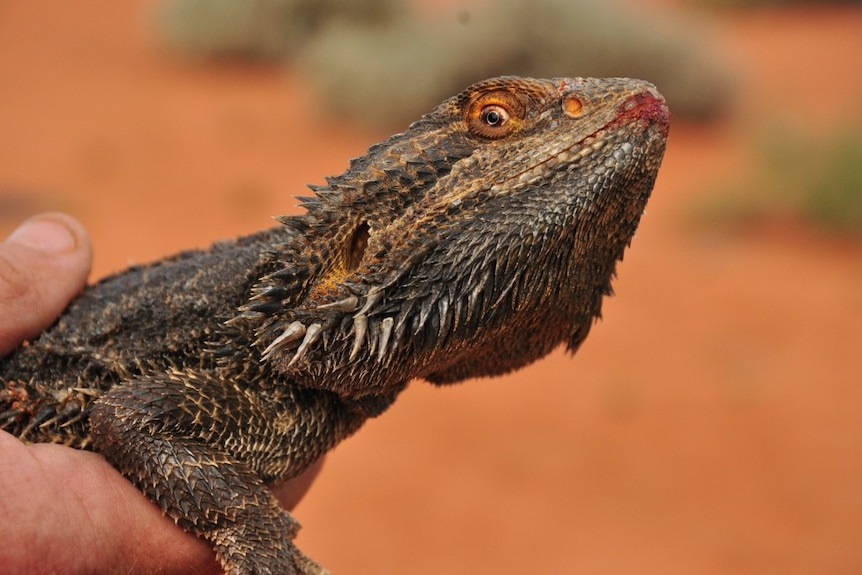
[471,244]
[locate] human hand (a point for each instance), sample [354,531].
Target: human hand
[63,510]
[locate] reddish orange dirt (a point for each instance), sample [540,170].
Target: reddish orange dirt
[712,423]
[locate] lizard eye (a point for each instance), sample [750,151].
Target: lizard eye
[494,115]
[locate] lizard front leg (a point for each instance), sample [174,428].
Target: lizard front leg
[171,436]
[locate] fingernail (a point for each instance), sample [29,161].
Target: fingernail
[45,235]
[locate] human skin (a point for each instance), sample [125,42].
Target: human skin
[63,510]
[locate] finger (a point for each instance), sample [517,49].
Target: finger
[43,265]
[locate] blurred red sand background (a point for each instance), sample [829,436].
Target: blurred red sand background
[712,423]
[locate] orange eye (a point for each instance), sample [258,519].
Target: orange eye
[494,115]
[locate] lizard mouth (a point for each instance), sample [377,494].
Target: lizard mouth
[647,106]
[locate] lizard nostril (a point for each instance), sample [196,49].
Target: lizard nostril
[573,106]
[358,243]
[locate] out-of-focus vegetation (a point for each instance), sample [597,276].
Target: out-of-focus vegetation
[265,29]
[384,63]
[755,3]
[801,180]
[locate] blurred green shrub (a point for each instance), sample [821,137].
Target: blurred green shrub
[393,73]
[756,3]
[381,63]
[832,190]
[261,28]
[800,179]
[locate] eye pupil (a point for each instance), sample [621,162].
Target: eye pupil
[494,116]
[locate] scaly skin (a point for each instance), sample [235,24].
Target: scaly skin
[471,244]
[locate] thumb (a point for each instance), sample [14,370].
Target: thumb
[43,265]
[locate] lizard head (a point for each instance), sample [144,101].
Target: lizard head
[471,244]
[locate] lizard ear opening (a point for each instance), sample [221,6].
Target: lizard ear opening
[356,248]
